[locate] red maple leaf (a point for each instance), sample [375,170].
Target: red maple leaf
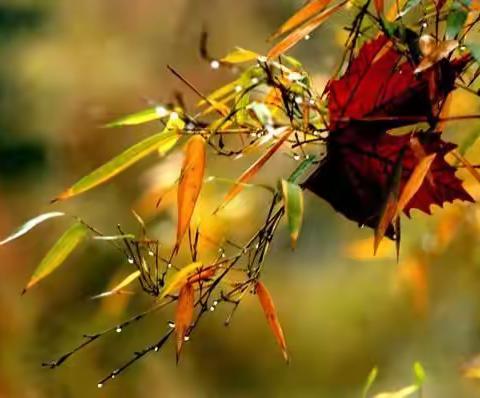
[378,92]
[381,90]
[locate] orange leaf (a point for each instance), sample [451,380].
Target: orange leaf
[252,170]
[203,275]
[298,34]
[379,6]
[414,182]
[183,315]
[302,15]
[190,184]
[270,312]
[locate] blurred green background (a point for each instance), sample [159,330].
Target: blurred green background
[70,66]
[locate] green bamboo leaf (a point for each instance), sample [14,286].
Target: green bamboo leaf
[455,20]
[469,141]
[293,199]
[372,376]
[302,168]
[143,116]
[162,141]
[58,253]
[419,373]
[402,393]
[30,224]
[239,55]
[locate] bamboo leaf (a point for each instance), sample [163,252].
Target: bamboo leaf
[414,182]
[181,277]
[293,199]
[456,19]
[298,34]
[302,15]
[143,116]
[30,224]
[183,315]
[120,163]
[402,393]
[270,312]
[117,288]
[58,253]
[253,170]
[239,56]
[191,181]
[372,376]
[379,4]
[419,373]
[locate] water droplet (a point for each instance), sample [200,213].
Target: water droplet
[254,80]
[130,260]
[212,308]
[296,156]
[257,246]
[171,324]
[238,88]
[100,385]
[307,37]
[118,329]
[215,302]
[214,64]
[151,253]
[169,265]
[223,255]
[311,101]
[298,100]
[362,226]
[463,48]
[186,338]
[112,376]
[424,24]
[161,111]
[156,349]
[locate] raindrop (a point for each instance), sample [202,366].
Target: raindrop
[100,385]
[307,37]
[238,88]
[171,324]
[156,349]
[212,308]
[311,101]
[169,265]
[215,302]
[186,338]
[296,156]
[298,100]
[424,25]
[161,111]
[214,64]
[118,329]
[151,253]
[254,80]
[130,260]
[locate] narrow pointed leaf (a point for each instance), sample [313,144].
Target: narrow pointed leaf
[293,199]
[30,224]
[117,288]
[191,181]
[183,315]
[463,160]
[180,278]
[144,116]
[402,393]
[420,374]
[301,16]
[372,376]
[270,312]
[58,253]
[253,170]
[379,4]
[414,182]
[300,33]
[239,56]
[119,163]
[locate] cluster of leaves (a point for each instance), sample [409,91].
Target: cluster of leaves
[373,137]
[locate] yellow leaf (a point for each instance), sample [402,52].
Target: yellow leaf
[183,315]
[190,184]
[181,277]
[402,393]
[300,33]
[253,169]
[302,15]
[239,55]
[117,288]
[270,312]
[58,253]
